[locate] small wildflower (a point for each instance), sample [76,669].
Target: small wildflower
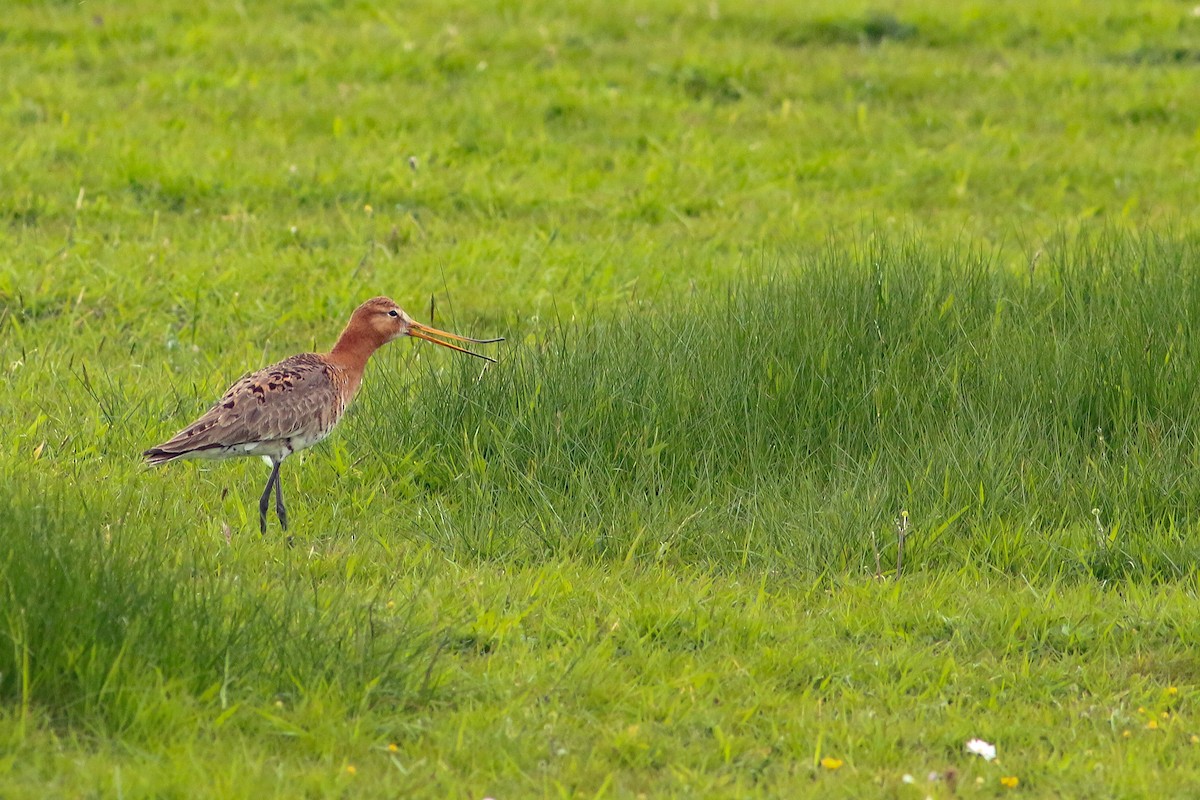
[351,769]
[391,604]
[368,210]
[1152,725]
[829,762]
[906,778]
[1195,739]
[1010,781]
[1172,690]
[1141,709]
[1126,734]
[982,749]
[1166,715]
[393,748]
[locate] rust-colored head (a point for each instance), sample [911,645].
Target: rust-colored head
[379,321]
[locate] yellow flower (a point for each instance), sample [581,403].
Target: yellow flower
[393,748]
[1172,690]
[1126,734]
[1010,781]
[1152,725]
[1195,739]
[829,762]
[351,769]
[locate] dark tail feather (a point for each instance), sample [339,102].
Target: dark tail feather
[156,455]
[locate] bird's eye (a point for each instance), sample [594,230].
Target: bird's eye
[393,313]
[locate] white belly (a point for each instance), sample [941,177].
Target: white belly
[271,449]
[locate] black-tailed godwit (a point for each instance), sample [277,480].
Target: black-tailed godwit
[294,404]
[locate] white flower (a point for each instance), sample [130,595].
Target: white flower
[908,778]
[981,748]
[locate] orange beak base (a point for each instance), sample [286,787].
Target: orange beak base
[438,337]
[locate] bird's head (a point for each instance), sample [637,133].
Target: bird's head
[387,321]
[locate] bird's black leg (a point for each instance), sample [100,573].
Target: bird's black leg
[265,500]
[280,511]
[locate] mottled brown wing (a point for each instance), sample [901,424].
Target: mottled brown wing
[297,398]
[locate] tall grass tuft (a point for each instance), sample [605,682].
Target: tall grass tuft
[790,419]
[103,629]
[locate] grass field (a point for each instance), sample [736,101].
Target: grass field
[787,288]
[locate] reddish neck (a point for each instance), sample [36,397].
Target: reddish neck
[354,348]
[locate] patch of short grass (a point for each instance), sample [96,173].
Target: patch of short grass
[558,154]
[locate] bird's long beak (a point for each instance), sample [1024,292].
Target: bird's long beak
[428,334]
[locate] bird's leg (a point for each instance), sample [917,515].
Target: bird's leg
[280,511]
[265,500]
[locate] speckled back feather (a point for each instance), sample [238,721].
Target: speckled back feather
[274,411]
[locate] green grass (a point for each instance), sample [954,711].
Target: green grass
[784,423]
[774,280]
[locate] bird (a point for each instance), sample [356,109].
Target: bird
[295,403]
